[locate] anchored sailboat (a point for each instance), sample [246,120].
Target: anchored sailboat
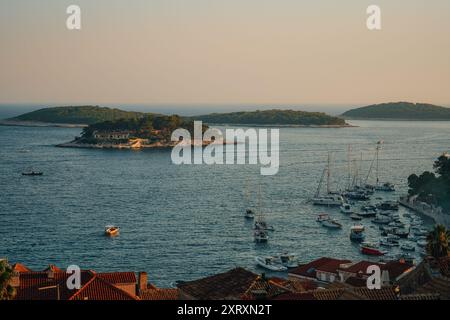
[329,199]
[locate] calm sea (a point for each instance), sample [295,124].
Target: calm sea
[185,222]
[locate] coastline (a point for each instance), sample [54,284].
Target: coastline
[41,124]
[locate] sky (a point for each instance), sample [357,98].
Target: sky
[224,52]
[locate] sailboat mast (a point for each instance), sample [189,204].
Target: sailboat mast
[349,166]
[328,173]
[377,166]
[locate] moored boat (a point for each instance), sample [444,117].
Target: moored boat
[357,233]
[346,208]
[355,217]
[269,263]
[260,236]
[408,247]
[371,249]
[249,214]
[32,173]
[112,231]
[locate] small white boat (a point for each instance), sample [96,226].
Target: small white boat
[332,224]
[346,208]
[357,233]
[408,247]
[270,264]
[112,231]
[329,200]
[355,217]
[380,219]
[386,242]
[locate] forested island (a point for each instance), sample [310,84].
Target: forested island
[88,115]
[399,111]
[274,117]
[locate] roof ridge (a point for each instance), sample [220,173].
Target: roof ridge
[85,285]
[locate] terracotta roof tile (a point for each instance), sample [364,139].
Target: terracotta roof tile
[309,269]
[18,267]
[118,277]
[228,285]
[160,294]
[99,289]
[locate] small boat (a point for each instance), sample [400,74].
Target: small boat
[269,263]
[322,217]
[288,260]
[355,217]
[346,208]
[260,236]
[249,214]
[388,205]
[380,219]
[387,187]
[329,200]
[367,214]
[371,249]
[369,208]
[357,233]
[357,195]
[331,224]
[112,231]
[408,247]
[32,173]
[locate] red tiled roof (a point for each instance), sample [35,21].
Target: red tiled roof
[296,296]
[160,294]
[323,264]
[99,289]
[118,277]
[52,267]
[332,265]
[18,267]
[228,285]
[45,286]
[396,268]
[356,282]
[359,267]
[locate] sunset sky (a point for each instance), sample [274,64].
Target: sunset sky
[224,52]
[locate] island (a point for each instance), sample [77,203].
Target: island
[274,117]
[71,116]
[148,131]
[399,111]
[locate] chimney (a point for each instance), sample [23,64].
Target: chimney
[142,281]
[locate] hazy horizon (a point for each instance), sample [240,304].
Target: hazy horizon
[209,55]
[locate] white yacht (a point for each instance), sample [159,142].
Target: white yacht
[346,208]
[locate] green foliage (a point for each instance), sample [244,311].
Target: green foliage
[7,292]
[78,115]
[272,117]
[400,110]
[438,239]
[151,127]
[433,188]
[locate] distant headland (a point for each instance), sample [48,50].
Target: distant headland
[399,111]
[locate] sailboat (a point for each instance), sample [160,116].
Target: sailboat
[329,199]
[260,234]
[387,186]
[249,213]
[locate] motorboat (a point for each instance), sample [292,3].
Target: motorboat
[32,173]
[322,217]
[331,224]
[371,249]
[288,260]
[387,187]
[408,247]
[355,217]
[356,195]
[270,263]
[388,205]
[249,214]
[331,200]
[380,219]
[396,224]
[260,236]
[357,233]
[369,208]
[112,231]
[346,208]
[367,214]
